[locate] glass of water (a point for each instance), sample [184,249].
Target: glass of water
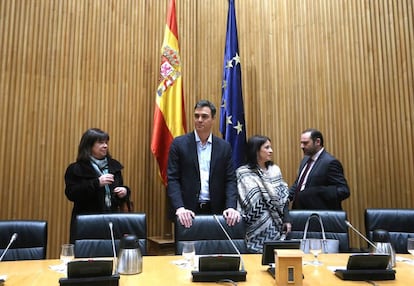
[67,253]
[410,245]
[315,247]
[189,253]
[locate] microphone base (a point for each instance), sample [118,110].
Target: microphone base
[112,280]
[362,275]
[214,276]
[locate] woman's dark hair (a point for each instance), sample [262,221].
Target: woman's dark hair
[89,138]
[253,146]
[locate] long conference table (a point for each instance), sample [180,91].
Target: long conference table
[162,270]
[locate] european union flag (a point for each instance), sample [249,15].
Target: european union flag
[232,124]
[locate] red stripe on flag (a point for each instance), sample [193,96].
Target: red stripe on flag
[161,141]
[171,19]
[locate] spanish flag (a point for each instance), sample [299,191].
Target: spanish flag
[169,114]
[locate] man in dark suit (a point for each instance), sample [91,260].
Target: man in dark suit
[321,184]
[201,177]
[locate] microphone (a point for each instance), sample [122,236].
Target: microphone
[12,239]
[220,268]
[360,234]
[231,241]
[113,246]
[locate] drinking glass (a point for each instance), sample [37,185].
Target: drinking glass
[67,253]
[410,245]
[189,253]
[315,247]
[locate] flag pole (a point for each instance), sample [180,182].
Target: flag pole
[169,113]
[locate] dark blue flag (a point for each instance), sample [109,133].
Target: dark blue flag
[232,124]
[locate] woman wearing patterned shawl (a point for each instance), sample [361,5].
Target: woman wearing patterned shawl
[263,195]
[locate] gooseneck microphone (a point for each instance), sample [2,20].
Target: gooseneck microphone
[113,246]
[360,234]
[231,241]
[12,239]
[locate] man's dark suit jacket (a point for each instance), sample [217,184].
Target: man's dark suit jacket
[325,188]
[184,175]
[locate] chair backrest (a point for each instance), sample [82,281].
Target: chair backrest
[398,222]
[31,241]
[333,222]
[93,235]
[208,236]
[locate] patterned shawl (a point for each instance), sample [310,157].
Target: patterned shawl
[262,198]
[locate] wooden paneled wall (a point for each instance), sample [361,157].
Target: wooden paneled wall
[345,67]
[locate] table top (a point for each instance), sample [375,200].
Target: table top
[163,270]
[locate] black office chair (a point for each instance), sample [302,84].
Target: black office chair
[333,222]
[93,236]
[31,240]
[208,236]
[398,222]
